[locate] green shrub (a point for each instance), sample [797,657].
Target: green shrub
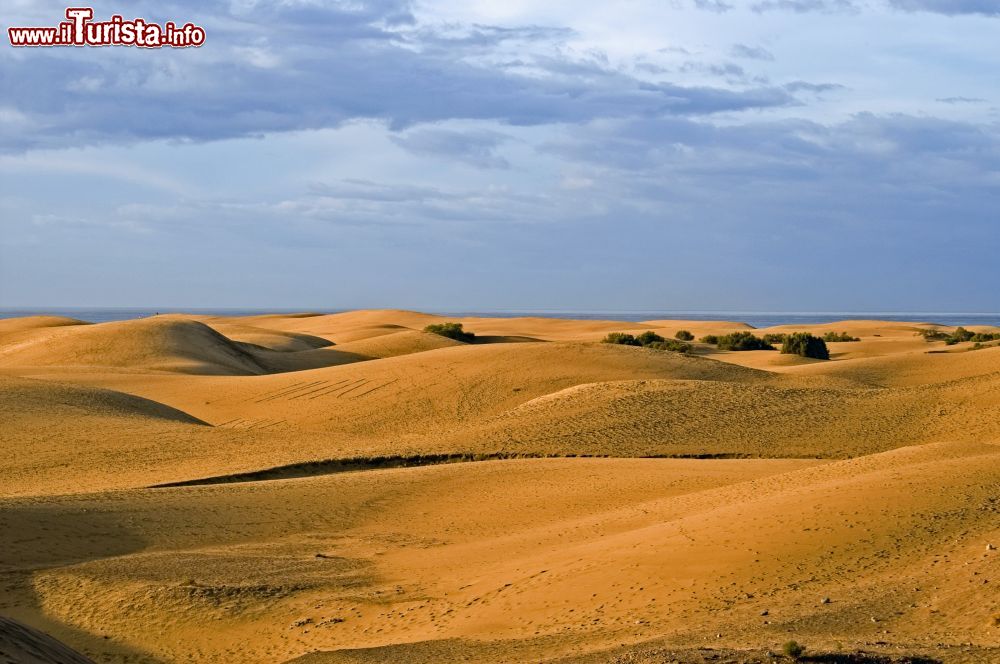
[933,335]
[684,335]
[743,341]
[452,331]
[670,344]
[841,336]
[710,339]
[961,334]
[793,649]
[775,337]
[622,339]
[806,345]
[648,337]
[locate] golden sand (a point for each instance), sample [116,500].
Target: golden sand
[565,500]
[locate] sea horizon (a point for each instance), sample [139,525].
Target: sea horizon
[758,319]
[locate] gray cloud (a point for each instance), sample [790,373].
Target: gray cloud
[717,6]
[961,100]
[729,71]
[304,66]
[477,148]
[801,6]
[751,52]
[949,7]
[815,88]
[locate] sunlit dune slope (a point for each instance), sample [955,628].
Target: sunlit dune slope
[152,344]
[167,344]
[354,325]
[9,325]
[428,391]
[573,555]
[403,342]
[914,368]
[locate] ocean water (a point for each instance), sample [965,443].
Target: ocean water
[754,318]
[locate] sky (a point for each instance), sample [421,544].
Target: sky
[637,155]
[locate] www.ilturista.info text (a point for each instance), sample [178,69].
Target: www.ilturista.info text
[80,30]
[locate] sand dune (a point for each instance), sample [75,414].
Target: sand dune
[151,345]
[588,554]
[869,479]
[9,325]
[393,344]
[276,340]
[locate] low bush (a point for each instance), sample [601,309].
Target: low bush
[452,331]
[743,341]
[775,337]
[933,335]
[670,344]
[806,345]
[710,339]
[684,335]
[649,337]
[621,339]
[960,335]
[839,337]
[793,649]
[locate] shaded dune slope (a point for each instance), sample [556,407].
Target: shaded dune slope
[20,644]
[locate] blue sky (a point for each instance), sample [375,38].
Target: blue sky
[637,155]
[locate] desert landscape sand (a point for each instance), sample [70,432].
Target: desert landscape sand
[351,488]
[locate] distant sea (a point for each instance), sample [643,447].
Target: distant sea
[754,318]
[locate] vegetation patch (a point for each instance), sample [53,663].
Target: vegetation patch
[793,649]
[960,335]
[647,339]
[670,344]
[621,338]
[806,345]
[452,331]
[742,341]
[839,337]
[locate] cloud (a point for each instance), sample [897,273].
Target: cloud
[949,7]
[961,100]
[338,63]
[815,88]
[717,6]
[730,71]
[801,6]
[476,148]
[751,52]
